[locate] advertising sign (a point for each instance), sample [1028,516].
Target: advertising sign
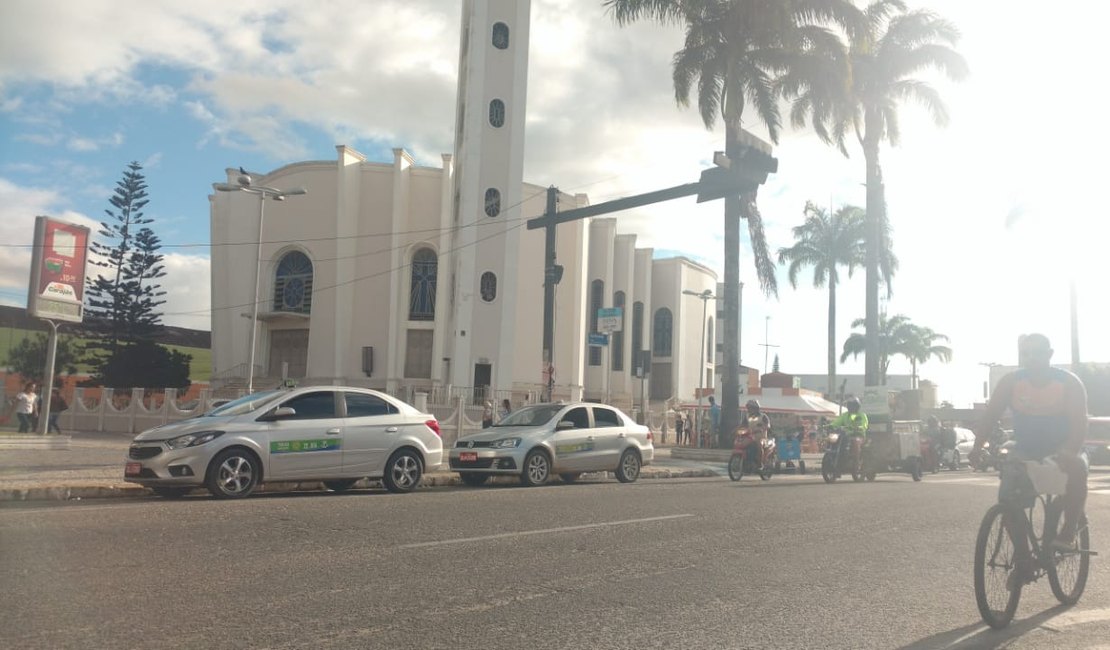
[57,289]
[609,319]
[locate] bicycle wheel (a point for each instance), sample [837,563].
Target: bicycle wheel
[996,593]
[1067,570]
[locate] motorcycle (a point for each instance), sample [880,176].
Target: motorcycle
[930,458]
[838,459]
[950,459]
[745,460]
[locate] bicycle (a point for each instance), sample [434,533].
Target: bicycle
[1009,553]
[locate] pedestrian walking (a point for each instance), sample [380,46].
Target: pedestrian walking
[506,409]
[25,404]
[679,428]
[57,406]
[487,415]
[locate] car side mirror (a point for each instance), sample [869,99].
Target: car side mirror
[279,413]
[564,425]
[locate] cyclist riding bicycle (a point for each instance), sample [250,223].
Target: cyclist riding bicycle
[854,423]
[1049,408]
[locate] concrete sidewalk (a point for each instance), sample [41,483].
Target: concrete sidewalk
[91,467]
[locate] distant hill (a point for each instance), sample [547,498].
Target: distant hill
[16,317]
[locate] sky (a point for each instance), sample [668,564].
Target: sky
[992,215]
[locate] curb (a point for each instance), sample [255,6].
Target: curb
[437,479]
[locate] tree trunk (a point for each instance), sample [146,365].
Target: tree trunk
[832,333]
[730,384]
[872,367]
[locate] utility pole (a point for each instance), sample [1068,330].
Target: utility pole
[551,276]
[765,344]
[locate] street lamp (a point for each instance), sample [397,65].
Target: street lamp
[705,297]
[263,192]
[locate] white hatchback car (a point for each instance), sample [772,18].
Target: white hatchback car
[332,434]
[537,441]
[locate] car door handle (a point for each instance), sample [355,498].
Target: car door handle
[621,434]
[392,430]
[589,438]
[333,432]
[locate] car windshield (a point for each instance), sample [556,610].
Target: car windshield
[244,404]
[530,416]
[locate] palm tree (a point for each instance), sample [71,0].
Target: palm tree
[733,51]
[919,345]
[883,59]
[826,243]
[898,336]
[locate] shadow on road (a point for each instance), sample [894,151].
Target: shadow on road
[981,637]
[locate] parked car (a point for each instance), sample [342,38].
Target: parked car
[1098,440]
[537,441]
[333,434]
[965,444]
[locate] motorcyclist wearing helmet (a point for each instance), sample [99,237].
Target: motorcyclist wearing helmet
[854,423]
[758,424]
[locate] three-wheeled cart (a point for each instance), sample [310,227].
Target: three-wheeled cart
[893,447]
[789,450]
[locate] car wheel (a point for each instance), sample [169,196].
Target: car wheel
[171,492]
[537,468]
[341,485]
[570,477]
[403,471]
[801,467]
[628,470]
[472,479]
[233,474]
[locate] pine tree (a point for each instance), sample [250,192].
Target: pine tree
[123,299]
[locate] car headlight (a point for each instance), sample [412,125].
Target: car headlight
[193,439]
[506,443]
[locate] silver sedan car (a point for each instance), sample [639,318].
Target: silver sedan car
[333,434]
[565,439]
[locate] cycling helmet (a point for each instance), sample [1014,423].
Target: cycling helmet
[852,404]
[752,404]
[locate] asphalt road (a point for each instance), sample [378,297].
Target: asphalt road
[707,563]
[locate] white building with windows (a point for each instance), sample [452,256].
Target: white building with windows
[405,277]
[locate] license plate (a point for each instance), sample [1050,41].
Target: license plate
[468,456]
[133,469]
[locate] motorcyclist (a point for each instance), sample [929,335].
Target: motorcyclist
[758,424]
[1049,407]
[854,424]
[932,434]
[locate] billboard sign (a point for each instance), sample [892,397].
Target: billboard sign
[57,289]
[597,340]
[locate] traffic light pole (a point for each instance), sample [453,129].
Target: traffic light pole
[549,282]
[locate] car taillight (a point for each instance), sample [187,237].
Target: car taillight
[434,426]
[650,438]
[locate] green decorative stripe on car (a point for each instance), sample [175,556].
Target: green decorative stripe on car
[295,446]
[574,449]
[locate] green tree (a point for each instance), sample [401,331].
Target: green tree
[28,357]
[883,61]
[898,336]
[124,297]
[827,242]
[733,52]
[919,344]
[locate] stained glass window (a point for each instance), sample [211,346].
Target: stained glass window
[425,266]
[293,283]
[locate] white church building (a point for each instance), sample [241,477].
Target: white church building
[409,278]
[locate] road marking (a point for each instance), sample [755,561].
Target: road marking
[562,529]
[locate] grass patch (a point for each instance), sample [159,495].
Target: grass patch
[200,368]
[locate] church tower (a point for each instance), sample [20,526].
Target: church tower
[489,167]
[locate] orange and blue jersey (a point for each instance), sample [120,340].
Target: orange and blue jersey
[1040,413]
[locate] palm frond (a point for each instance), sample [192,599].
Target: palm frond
[764,267]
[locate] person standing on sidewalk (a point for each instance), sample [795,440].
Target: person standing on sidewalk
[679,428]
[25,404]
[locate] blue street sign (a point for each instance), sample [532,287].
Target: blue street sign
[598,340]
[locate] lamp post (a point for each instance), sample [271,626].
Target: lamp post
[705,297]
[263,192]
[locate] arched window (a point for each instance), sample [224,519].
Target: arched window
[597,297]
[500,36]
[637,332]
[487,286]
[496,113]
[425,266]
[661,334]
[293,283]
[709,341]
[493,202]
[618,337]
